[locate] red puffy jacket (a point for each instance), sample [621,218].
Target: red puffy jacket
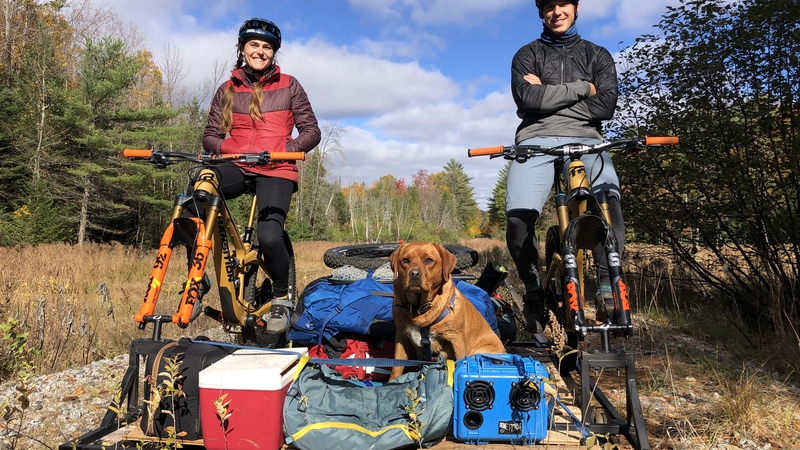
[284,106]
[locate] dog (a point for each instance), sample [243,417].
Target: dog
[427,303]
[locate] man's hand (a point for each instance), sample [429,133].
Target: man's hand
[532,79]
[592,90]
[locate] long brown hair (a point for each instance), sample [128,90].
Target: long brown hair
[227,99]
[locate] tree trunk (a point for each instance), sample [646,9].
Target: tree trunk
[84,214]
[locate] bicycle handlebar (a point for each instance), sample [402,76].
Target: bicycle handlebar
[527,151]
[661,140]
[164,158]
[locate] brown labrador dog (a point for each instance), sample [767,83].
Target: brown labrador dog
[426,302]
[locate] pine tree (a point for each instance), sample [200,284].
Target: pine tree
[461,197]
[497,203]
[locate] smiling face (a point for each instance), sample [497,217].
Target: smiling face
[559,15]
[258,54]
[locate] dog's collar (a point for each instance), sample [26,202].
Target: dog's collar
[425,307]
[446,310]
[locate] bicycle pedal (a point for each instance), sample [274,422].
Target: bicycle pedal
[252,320]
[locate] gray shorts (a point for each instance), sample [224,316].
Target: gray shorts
[529,183]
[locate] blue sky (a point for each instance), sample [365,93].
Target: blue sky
[412,83]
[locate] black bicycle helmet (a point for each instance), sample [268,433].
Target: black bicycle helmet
[260,29]
[540,4]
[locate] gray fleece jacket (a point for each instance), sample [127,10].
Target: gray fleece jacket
[561,105]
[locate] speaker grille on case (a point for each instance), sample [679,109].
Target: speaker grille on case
[479,395]
[525,395]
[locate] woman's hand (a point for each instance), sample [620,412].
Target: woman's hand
[532,79]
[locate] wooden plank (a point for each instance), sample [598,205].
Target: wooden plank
[133,433]
[565,437]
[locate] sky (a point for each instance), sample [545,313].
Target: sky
[411,84]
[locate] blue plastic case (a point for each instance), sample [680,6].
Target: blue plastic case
[500,398]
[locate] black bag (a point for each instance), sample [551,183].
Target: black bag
[190,356]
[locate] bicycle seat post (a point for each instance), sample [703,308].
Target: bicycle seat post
[605,343]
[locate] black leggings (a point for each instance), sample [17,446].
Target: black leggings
[274,197]
[524,247]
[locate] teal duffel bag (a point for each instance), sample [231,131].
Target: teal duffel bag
[324,410]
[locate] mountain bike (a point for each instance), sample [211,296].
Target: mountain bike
[242,279]
[583,222]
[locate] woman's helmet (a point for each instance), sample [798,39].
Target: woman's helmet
[257,28]
[540,4]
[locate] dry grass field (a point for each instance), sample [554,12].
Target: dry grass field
[698,390]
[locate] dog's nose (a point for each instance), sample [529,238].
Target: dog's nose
[414,273]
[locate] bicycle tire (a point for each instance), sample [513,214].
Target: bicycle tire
[554,298]
[372,256]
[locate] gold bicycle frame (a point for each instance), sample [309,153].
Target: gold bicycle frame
[216,236]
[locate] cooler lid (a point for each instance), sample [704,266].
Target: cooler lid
[253,369]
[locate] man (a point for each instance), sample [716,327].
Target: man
[563,87]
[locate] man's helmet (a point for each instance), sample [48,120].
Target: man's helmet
[263,29]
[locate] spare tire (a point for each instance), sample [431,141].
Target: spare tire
[372,256]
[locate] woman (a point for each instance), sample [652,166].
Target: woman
[255,111]
[564,87]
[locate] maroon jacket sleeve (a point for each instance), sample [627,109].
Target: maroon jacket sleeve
[212,135]
[305,121]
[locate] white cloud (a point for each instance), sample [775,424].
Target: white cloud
[615,19]
[341,84]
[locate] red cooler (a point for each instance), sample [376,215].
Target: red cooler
[255,381]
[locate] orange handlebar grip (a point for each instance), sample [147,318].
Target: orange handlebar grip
[134,153]
[485,151]
[661,140]
[287,156]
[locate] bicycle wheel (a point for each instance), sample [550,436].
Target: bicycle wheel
[372,256]
[554,295]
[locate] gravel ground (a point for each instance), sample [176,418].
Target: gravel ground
[63,405]
[67,404]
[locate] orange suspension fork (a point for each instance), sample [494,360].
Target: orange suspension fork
[165,248]
[197,268]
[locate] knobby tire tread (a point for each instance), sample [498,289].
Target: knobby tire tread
[372,256]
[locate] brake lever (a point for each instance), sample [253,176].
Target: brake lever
[521,158]
[160,160]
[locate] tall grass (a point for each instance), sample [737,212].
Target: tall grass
[78,302]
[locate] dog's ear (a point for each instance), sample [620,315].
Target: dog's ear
[394,258]
[448,261]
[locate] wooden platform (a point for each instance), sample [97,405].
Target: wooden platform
[556,439]
[563,436]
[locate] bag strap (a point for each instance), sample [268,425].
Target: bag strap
[376,362]
[153,375]
[340,307]
[585,433]
[277,351]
